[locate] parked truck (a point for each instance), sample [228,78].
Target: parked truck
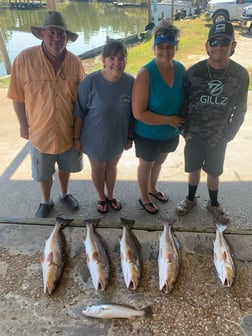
[246,19]
[225,10]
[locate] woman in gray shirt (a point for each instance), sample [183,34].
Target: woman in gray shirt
[103,121]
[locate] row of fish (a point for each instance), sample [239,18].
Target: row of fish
[99,265]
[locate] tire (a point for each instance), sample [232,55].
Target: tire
[220,17]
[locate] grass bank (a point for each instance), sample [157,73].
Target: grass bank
[191,49]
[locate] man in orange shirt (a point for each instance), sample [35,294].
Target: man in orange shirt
[43,88]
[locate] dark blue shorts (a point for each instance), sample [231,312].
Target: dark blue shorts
[149,150]
[199,154]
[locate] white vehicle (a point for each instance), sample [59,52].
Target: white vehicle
[246,19]
[225,10]
[165,8]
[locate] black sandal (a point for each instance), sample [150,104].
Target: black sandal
[150,204]
[113,202]
[104,205]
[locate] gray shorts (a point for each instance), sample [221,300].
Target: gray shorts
[43,165]
[149,150]
[199,154]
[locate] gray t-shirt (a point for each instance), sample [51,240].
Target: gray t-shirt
[106,111]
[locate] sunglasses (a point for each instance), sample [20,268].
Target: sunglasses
[224,43]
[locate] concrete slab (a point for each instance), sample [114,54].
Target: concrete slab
[199,305]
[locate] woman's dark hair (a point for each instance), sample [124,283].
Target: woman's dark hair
[112,48]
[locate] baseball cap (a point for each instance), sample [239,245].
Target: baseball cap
[221,29]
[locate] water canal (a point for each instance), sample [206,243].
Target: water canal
[93,21]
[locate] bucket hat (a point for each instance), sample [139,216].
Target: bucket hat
[53,19]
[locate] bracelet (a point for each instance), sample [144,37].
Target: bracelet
[130,138]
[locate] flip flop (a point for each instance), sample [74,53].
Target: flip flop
[104,205]
[150,204]
[160,196]
[115,204]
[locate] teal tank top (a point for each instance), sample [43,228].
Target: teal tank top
[163,100]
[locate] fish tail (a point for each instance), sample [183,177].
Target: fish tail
[63,222]
[93,221]
[221,227]
[129,222]
[168,221]
[148,312]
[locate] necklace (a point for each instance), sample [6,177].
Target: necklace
[210,74]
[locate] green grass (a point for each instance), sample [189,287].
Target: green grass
[193,35]
[4,82]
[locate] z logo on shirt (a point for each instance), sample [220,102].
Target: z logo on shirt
[216,87]
[215,98]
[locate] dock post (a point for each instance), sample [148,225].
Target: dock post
[51,5]
[4,53]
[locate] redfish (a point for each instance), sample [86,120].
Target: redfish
[130,252]
[54,258]
[97,258]
[168,258]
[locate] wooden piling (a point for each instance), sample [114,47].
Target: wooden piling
[4,53]
[51,5]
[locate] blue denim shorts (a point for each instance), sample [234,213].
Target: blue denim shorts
[43,165]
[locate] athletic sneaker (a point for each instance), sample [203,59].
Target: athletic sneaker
[218,213]
[185,206]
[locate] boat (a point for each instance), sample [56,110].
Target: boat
[130,4]
[167,8]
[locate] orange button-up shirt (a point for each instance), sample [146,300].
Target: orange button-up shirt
[48,97]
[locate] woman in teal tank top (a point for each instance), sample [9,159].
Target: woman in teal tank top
[156,100]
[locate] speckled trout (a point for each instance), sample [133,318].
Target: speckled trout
[223,260]
[54,258]
[168,258]
[97,258]
[130,253]
[110,311]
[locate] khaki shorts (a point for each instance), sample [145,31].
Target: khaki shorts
[43,165]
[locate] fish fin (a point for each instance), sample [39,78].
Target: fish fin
[170,255]
[92,221]
[129,222]
[49,258]
[130,255]
[176,242]
[95,256]
[224,256]
[148,312]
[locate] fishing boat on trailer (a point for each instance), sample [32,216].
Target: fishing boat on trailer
[164,8]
